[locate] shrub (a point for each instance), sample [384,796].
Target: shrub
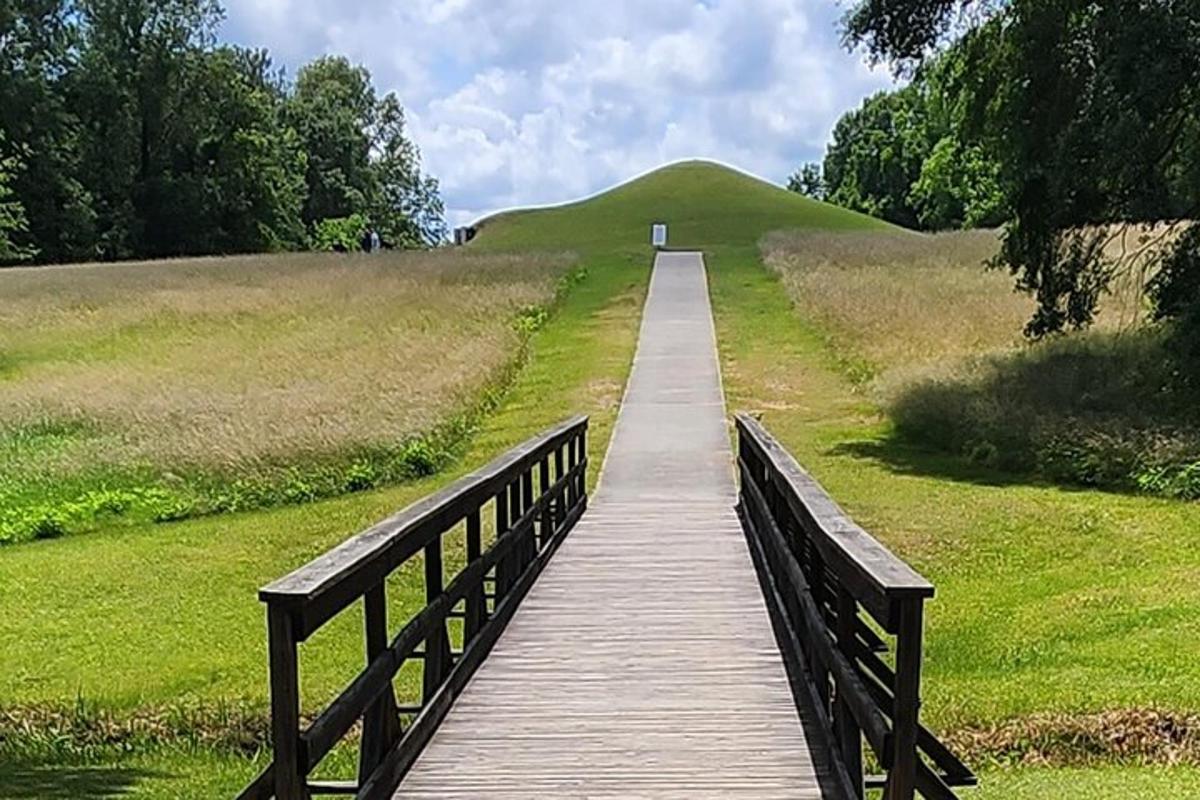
[1096,410]
[339,233]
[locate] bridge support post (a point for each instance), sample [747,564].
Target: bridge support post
[285,706]
[849,736]
[902,777]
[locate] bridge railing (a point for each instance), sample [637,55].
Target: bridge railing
[821,572]
[535,493]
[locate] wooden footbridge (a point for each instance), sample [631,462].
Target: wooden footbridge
[675,637]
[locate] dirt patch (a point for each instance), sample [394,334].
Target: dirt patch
[1133,736]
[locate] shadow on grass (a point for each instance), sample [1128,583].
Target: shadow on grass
[25,780]
[902,457]
[1088,412]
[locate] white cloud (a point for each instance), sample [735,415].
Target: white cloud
[519,102]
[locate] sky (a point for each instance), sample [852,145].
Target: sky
[527,102]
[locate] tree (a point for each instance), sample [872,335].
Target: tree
[126,131]
[958,187]
[1093,109]
[39,130]
[808,181]
[408,210]
[876,156]
[134,90]
[12,218]
[238,177]
[333,110]
[360,160]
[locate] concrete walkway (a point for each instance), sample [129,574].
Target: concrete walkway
[642,662]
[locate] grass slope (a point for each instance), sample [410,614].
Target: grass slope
[704,204]
[170,390]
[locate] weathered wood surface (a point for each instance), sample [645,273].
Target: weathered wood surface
[642,663]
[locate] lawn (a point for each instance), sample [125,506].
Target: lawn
[1050,600]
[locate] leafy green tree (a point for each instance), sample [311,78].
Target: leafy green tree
[408,208]
[134,90]
[360,159]
[333,110]
[12,218]
[39,129]
[876,156]
[808,181]
[137,135]
[958,187]
[1093,110]
[237,181]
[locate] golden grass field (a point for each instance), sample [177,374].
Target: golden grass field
[223,362]
[907,303]
[170,389]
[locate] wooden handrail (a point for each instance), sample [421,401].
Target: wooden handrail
[537,492]
[818,569]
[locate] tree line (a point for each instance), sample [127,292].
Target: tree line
[1075,123]
[128,131]
[907,156]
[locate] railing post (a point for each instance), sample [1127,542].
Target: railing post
[849,737]
[502,568]
[516,554]
[529,545]
[546,531]
[381,721]
[290,773]
[902,774]
[560,505]
[581,443]
[437,643]
[476,602]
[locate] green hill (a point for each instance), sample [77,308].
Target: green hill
[704,204]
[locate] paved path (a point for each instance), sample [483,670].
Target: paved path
[642,663]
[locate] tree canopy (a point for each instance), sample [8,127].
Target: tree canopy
[126,131]
[1092,111]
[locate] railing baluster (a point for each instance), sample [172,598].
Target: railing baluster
[902,775]
[285,706]
[381,724]
[502,574]
[546,529]
[560,511]
[476,602]
[849,737]
[437,643]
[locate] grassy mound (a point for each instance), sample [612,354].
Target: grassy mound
[705,205]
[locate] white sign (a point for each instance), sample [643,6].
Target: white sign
[658,235]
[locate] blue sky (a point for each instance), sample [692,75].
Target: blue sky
[521,102]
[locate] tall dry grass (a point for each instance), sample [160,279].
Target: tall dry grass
[937,339]
[224,361]
[907,301]
[226,364]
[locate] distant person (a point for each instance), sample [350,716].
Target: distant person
[365,241]
[374,241]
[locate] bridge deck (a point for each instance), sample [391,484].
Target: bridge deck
[642,663]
